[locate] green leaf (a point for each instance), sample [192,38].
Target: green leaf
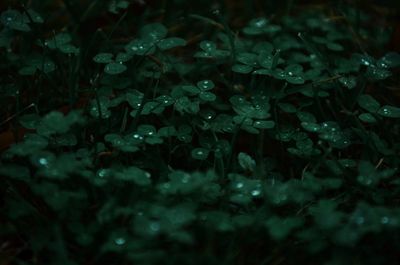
[115,68]
[389,111]
[101,107]
[288,108]
[207,96]
[153,32]
[280,228]
[368,103]
[334,46]
[205,85]
[103,58]
[15,172]
[165,100]
[247,58]
[29,121]
[58,40]
[191,89]
[246,162]
[169,43]
[167,131]
[349,82]
[306,117]
[377,73]
[363,59]
[56,123]
[36,18]
[135,175]
[32,144]
[264,124]
[134,98]
[200,153]
[69,49]
[389,60]
[296,80]
[184,104]
[367,174]
[325,214]
[123,57]
[208,46]
[311,126]
[242,68]
[146,130]
[140,47]
[15,20]
[367,117]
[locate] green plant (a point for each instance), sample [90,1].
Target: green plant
[134,140]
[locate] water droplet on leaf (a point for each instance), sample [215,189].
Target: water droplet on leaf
[115,68]
[120,241]
[43,161]
[385,220]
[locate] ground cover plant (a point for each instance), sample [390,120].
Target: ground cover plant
[208,132]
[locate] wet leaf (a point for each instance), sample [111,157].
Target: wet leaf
[246,162]
[200,153]
[103,58]
[241,68]
[368,103]
[135,175]
[115,68]
[170,43]
[389,60]
[153,32]
[15,20]
[389,111]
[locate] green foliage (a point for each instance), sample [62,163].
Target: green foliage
[188,136]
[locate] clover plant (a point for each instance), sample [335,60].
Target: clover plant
[220,132]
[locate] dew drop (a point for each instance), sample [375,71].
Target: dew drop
[199,153]
[102,173]
[205,84]
[43,161]
[216,12]
[385,220]
[311,127]
[154,226]
[365,62]
[386,111]
[137,136]
[120,241]
[260,22]
[239,185]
